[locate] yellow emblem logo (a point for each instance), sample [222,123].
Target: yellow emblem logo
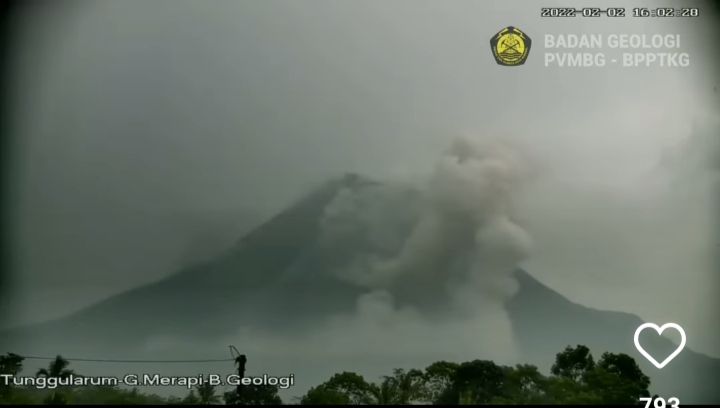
[510,46]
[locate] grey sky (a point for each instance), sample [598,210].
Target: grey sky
[147,127]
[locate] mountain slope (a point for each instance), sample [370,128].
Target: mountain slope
[277,278]
[545,322]
[202,299]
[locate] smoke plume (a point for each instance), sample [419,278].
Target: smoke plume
[435,260]
[462,233]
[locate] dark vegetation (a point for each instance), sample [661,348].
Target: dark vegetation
[575,378]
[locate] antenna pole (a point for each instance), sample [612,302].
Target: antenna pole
[240,360]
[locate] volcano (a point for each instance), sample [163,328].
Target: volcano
[282,268]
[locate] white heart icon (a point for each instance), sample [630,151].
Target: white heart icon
[659,330]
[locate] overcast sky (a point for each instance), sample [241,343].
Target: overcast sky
[150,133]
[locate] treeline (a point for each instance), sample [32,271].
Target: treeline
[575,378]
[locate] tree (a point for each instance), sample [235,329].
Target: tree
[437,378]
[55,398]
[56,369]
[254,395]
[349,386]
[615,379]
[322,395]
[618,379]
[191,399]
[523,384]
[476,382]
[575,379]
[206,394]
[562,390]
[9,364]
[573,363]
[381,394]
[113,395]
[403,387]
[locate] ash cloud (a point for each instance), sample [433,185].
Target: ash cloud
[463,230]
[449,240]
[436,259]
